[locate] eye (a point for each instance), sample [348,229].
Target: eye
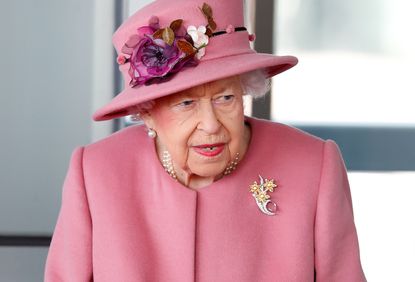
[224,99]
[185,104]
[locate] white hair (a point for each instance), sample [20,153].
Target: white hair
[145,106]
[255,83]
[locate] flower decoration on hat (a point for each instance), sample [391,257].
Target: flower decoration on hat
[200,39]
[230,28]
[155,54]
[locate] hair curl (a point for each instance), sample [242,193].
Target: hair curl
[255,83]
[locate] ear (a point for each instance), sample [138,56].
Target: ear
[147,119]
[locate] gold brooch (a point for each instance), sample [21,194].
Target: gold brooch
[260,193]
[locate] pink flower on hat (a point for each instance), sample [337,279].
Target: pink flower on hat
[121,59]
[200,39]
[230,28]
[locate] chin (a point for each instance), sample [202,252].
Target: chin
[209,170]
[208,166]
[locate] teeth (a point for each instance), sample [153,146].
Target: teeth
[209,148]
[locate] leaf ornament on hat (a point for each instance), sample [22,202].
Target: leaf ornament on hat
[155,54]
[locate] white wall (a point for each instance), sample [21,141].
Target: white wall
[45,105]
[56,69]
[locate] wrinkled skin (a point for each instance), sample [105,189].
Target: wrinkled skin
[211,113]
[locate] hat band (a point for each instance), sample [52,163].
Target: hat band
[241,28]
[228,44]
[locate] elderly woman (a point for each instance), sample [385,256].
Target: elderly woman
[200,192]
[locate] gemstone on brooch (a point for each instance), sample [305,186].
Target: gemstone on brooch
[260,193]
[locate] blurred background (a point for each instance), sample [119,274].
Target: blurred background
[354,84]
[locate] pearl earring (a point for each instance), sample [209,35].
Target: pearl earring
[151,133]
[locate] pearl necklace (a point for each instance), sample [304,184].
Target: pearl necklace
[232,165]
[168,165]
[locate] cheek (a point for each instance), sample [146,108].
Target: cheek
[234,124]
[232,117]
[173,134]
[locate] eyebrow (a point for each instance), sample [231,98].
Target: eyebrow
[187,94]
[219,89]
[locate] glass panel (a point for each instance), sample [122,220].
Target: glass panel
[22,263]
[356,68]
[356,62]
[384,216]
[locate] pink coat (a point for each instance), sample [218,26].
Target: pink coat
[123,218]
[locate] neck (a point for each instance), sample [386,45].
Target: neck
[194,181]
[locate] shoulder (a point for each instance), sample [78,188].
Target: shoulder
[119,148]
[284,135]
[290,146]
[130,136]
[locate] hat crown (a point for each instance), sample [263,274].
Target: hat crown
[225,13]
[151,69]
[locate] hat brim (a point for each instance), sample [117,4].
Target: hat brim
[210,70]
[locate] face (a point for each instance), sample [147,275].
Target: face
[202,127]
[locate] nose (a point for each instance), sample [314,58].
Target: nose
[208,120]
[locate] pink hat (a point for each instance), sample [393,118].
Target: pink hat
[169,46]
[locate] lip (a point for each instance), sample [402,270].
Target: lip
[209,150]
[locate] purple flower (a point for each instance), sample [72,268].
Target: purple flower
[151,59]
